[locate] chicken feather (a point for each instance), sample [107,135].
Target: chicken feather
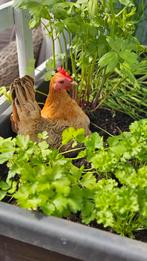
[26,118]
[60,106]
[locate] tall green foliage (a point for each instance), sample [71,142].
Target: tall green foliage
[106,58]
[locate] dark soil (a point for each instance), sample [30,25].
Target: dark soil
[141,235]
[105,122]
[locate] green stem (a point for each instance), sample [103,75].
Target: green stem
[72,150]
[50,33]
[71,55]
[90,78]
[53,46]
[137,100]
[42,93]
[40,103]
[61,49]
[103,80]
[127,109]
[101,129]
[143,78]
[66,52]
[89,170]
[108,94]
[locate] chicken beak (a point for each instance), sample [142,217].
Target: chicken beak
[74,84]
[68,84]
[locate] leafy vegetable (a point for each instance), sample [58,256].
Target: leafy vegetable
[110,189]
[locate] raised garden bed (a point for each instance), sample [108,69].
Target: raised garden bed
[37,237]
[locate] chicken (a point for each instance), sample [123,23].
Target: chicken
[26,118]
[60,106]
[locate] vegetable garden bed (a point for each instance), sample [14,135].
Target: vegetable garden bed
[36,237]
[61,237]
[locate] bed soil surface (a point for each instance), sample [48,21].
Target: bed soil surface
[106,122]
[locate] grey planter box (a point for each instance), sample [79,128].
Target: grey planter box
[26,235]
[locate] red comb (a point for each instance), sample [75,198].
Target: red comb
[65,73]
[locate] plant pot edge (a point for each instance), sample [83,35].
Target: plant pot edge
[66,237]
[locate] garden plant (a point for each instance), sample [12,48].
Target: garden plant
[107,59]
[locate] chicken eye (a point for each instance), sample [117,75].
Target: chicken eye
[62,81]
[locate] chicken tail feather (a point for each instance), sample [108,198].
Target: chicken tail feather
[24,106]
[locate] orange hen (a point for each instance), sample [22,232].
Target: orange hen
[60,106]
[26,118]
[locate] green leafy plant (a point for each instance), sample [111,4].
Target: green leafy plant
[111,188]
[4,91]
[106,58]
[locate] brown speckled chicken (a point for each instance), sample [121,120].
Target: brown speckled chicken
[26,118]
[60,106]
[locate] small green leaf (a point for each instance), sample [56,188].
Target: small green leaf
[92,7]
[72,134]
[94,141]
[22,141]
[60,204]
[6,94]
[43,135]
[127,2]
[34,22]
[110,60]
[88,212]
[4,185]
[48,75]
[88,181]
[2,194]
